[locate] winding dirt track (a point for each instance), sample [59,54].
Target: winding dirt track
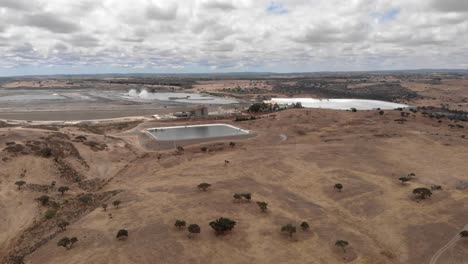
[449,244]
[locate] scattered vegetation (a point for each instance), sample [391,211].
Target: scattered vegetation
[104,207]
[203,186]
[422,193]
[50,214]
[67,242]
[338,187]
[122,234]
[179,224]
[63,225]
[239,197]
[193,230]
[86,198]
[263,206]
[342,244]
[63,189]
[44,200]
[288,229]
[20,184]
[222,225]
[116,203]
[244,118]
[403,180]
[305,226]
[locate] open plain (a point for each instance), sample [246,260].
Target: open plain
[292,163]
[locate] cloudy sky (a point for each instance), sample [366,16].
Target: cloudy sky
[91,36]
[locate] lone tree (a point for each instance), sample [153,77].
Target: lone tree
[222,225]
[63,225]
[20,184]
[288,229]
[247,196]
[381,112]
[464,233]
[44,200]
[67,242]
[353,109]
[403,180]
[116,203]
[104,207]
[63,189]
[237,197]
[179,224]
[193,229]
[122,234]
[232,144]
[338,187]
[305,226]
[342,244]
[263,206]
[422,193]
[204,186]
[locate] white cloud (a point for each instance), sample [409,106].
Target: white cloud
[235,35]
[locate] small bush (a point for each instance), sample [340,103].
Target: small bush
[50,214]
[179,224]
[193,229]
[263,206]
[204,186]
[222,225]
[288,229]
[122,234]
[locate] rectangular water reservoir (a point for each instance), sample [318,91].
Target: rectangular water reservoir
[194,132]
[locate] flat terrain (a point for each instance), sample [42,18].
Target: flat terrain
[292,164]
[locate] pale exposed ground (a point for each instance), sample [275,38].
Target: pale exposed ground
[364,151]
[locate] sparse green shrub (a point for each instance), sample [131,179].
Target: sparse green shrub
[86,198]
[50,214]
[263,206]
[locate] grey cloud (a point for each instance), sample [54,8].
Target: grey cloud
[17,4]
[458,6]
[221,5]
[51,22]
[159,13]
[326,33]
[130,39]
[84,41]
